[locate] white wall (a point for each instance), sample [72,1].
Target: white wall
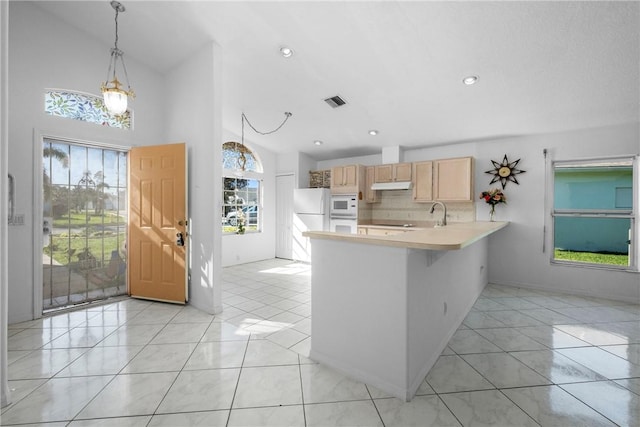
[287,163]
[68,60]
[249,247]
[523,240]
[515,253]
[297,163]
[371,160]
[194,117]
[305,164]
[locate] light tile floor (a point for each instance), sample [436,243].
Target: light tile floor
[521,357]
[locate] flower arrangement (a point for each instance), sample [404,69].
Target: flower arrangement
[493,197]
[241,221]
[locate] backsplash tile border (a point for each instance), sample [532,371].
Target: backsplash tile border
[398,205]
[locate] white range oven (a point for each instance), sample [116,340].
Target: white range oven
[343,214]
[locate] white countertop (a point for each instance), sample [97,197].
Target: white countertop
[451,237]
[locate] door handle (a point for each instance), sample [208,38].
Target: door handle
[12,195]
[179,239]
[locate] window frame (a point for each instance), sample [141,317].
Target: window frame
[248,176]
[631,214]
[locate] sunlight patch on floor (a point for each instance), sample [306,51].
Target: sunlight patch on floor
[264,327]
[297,269]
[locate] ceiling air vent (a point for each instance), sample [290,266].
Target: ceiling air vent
[335,101]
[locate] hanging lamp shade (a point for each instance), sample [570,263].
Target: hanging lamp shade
[116,98]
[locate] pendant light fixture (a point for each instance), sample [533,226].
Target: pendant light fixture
[115,97]
[242,159]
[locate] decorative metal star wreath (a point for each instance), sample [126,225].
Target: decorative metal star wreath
[505,171]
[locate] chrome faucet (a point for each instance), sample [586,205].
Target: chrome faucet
[444,216]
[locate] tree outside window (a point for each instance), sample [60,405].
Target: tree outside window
[242,195]
[241,200]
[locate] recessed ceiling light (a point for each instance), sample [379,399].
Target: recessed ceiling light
[317,142]
[287,52]
[373,132]
[470,80]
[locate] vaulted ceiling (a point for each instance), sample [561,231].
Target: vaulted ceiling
[542,66]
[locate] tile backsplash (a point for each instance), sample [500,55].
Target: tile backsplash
[398,205]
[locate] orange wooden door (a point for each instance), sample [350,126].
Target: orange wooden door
[157,213]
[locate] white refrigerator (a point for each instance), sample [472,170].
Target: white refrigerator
[310,213]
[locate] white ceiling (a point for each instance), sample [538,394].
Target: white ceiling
[543,66]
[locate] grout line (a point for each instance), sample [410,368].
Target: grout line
[450,411]
[260,291]
[120,371]
[235,390]
[304,411]
[374,404]
[586,404]
[183,365]
[518,406]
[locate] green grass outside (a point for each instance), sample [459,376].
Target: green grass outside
[62,246]
[80,219]
[591,257]
[232,229]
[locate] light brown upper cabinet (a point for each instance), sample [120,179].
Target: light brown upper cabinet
[423,181]
[370,196]
[453,179]
[394,172]
[347,179]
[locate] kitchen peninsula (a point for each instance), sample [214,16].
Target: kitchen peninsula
[385,306]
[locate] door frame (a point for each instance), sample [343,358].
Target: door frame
[38,218]
[295,182]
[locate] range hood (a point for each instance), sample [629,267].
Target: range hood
[391,155]
[404,185]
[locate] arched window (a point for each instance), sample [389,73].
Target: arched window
[232,157]
[84,107]
[241,189]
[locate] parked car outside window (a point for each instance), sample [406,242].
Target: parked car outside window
[250,213]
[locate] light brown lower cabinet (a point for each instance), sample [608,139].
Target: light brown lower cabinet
[378,231]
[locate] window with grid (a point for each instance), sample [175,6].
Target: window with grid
[241,204]
[241,189]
